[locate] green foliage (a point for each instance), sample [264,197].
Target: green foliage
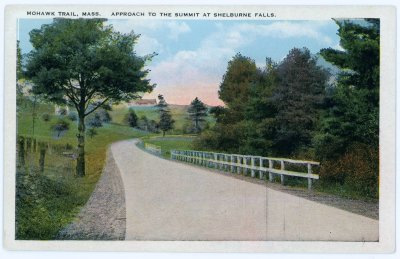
[288,109]
[197,112]
[45,117]
[85,63]
[41,205]
[297,100]
[95,121]
[62,112]
[357,170]
[43,215]
[19,62]
[352,107]
[59,126]
[131,118]
[72,116]
[166,122]
[236,84]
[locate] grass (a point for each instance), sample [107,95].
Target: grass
[170,142]
[178,112]
[45,212]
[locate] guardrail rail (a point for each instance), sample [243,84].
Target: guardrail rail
[243,164]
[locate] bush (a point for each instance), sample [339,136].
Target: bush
[104,115]
[60,126]
[72,116]
[95,121]
[45,117]
[62,111]
[40,206]
[131,118]
[357,170]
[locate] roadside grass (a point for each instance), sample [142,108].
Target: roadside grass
[170,142]
[47,202]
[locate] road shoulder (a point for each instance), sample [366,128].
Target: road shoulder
[103,216]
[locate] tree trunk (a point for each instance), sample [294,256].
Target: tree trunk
[163,133]
[80,162]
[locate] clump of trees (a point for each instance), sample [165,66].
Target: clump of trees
[86,64]
[289,109]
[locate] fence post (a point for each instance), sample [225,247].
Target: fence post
[282,176]
[253,172]
[309,172]
[260,172]
[270,166]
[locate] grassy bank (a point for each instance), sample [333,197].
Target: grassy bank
[48,201]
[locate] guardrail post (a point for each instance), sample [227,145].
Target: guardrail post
[282,176]
[270,165]
[253,172]
[231,159]
[260,172]
[215,161]
[309,172]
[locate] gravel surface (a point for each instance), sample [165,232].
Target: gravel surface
[103,217]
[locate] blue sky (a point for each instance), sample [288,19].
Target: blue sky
[193,54]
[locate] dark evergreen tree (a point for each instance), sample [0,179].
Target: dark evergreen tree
[352,107]
[197,112]
[131,118]
[298,98]
[166,122]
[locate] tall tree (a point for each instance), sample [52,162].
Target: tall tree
[353,104]
[87,64]
[166,121]
[236,84]
[298,98]
[197,111]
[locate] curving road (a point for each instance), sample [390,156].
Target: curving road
[168,200]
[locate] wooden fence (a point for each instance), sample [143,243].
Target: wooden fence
[243,164]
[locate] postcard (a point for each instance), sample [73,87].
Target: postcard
[200,128]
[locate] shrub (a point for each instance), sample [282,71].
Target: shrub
[104,115]
[72,116]
[45,117]
[62,111]
[131,118]
[95,121]
[357,170]
[60,126]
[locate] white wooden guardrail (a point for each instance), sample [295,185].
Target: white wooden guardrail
[242,164]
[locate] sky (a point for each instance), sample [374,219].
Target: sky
[193,54]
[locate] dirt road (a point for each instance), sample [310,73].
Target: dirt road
[168,200]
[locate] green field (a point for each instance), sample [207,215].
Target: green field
[178,112]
